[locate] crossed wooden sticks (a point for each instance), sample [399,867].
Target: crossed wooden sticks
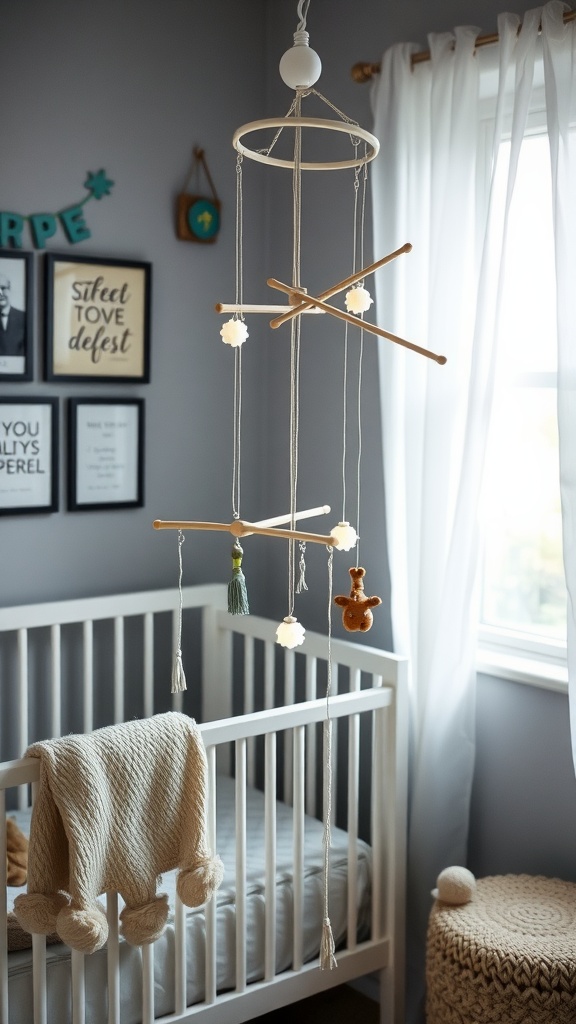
[302,302]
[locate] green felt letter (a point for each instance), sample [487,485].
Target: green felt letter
[74,224]
[43,226]
[11,225]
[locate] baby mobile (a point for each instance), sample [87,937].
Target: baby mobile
[300,69]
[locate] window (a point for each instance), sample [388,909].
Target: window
[523,633]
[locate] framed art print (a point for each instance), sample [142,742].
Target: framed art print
[97,320]
[15,315]
[106,453]
[28,455]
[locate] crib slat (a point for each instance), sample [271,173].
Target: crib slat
[376,816]
[270,855]
[269,675]
[22,732]
[148,664]
[88,673]
[249,702]
[241,865]
[289,696]
[179,956]
[113,961]
[352,827]
[148,983]
[311,687]
[118,669]
[210,911]
[39,978]
[56,680]
[78,988]
[298,852]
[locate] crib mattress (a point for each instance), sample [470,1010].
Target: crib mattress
[58,955]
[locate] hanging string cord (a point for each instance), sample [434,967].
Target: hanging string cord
[237,410]
[327,948]
[302,12]
[178,676]
[345,374]
[295,356]
[360,366]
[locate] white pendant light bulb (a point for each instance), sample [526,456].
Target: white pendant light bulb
[345,536]
[234,333]
[358,300]
[300,67]
[290,633]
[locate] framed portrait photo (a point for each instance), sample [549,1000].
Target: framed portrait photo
[106,453]
[97,320]
[16,269]
[28,455]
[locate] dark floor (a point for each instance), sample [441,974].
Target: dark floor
[341,1005]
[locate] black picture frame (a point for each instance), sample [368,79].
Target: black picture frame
[105,453]
[16,285]
[28,455]
[97,320]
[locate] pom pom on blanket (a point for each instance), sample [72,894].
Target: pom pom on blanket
[85,930]
[195,887]
[144,924]
[38,913]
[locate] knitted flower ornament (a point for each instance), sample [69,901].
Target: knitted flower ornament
[234,333]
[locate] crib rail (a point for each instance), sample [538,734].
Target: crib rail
[378,702]
[265,729]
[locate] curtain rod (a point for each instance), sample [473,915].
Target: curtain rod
[364,72]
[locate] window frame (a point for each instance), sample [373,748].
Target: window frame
[506,653]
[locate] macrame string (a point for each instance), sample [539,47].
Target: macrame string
[178,677]
[327,948]
[236,459]
[295,351]
[360,368]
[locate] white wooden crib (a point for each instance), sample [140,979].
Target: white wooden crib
[86,663]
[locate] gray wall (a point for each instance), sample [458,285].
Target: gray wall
[131,86]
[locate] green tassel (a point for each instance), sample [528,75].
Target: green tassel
[237,596]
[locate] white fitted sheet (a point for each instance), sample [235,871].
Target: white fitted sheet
[58,956]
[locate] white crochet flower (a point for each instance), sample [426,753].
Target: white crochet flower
[290,633]
[345,536]
[358,300]
[234,332]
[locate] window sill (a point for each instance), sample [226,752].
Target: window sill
[522,669]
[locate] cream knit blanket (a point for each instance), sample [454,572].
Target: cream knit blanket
[115,809]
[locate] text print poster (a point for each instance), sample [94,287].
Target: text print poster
[27,456]
[99,320]
[107,454]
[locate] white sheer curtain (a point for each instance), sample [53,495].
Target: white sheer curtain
[427,187]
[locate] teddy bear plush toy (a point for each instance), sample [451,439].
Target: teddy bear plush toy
[16,854]
[357,608]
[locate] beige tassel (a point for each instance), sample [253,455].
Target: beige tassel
[327,959]
[178,677]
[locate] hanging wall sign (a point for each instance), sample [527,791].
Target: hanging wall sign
[42,226]
[198,216]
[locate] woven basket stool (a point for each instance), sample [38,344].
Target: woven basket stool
[506,957]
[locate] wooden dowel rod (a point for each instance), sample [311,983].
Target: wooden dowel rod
[240,528]
[300,308]
[349,318]
[322,510]
[364,71]
[231,307]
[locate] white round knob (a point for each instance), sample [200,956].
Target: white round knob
[300,67]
